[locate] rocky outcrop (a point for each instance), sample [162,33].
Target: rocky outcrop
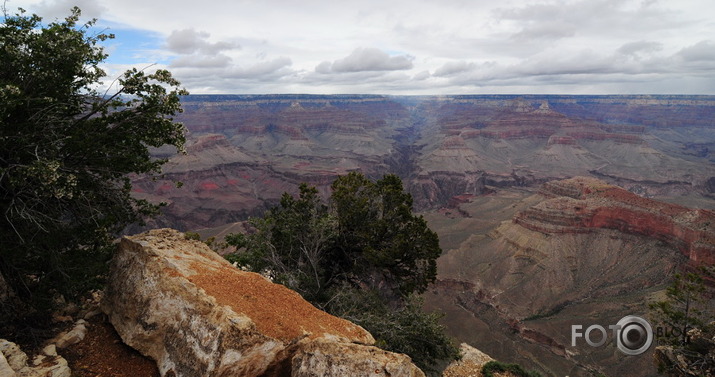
[328,358]
[184,306]
[470,365]
[577,251]
[697,358]
[581,205]
[15,363]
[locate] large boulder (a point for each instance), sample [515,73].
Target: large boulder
[180,303]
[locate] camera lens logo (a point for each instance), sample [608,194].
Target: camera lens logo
[634,335]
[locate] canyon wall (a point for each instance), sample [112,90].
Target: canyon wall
[521,267]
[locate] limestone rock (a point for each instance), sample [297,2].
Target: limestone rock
[183,305]
[14,363]
[74,336]
[330,359]
[16,359]
[50,350]
[470,365]
[697,359]
[5,370]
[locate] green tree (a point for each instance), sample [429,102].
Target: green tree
[363,256]
[490,368]
[381,242]
[684,307]
[292,245]
[67,150]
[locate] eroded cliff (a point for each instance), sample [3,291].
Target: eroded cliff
[521,267]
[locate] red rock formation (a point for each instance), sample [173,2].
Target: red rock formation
[580,205]
[619,138]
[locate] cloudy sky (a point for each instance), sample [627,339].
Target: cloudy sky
[411,46]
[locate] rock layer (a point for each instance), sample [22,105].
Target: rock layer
[522,266]
[581,205]
[183,305]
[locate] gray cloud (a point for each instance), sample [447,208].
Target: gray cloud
[640,47]
[263,68]
[547,31]
[366,59]
[199,61]
[189,41]
[574,46]
[58,10]
[454,68]
[703,51]
[424,75]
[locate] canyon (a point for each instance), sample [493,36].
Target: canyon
[551,210]
[245,151]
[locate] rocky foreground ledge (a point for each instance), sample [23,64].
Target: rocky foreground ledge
[181,304]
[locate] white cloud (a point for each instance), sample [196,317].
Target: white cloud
[189,41]
[199,61]
[262,68]
[60,9]
[455,67]
[415,46]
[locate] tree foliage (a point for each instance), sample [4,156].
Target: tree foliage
[489,369]
[67,148]
[687,318]
[363,256]
[367,237]
[685,306]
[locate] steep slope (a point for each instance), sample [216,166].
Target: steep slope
[578,251]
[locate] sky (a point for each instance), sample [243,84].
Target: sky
[414,47]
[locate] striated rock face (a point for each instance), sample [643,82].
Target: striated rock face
[522,266]
[186,307]
[581,205]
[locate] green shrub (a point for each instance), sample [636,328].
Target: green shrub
[496,366]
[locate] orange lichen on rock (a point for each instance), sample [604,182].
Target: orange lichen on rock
[276,310]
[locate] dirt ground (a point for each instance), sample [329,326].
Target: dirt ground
[102,353]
